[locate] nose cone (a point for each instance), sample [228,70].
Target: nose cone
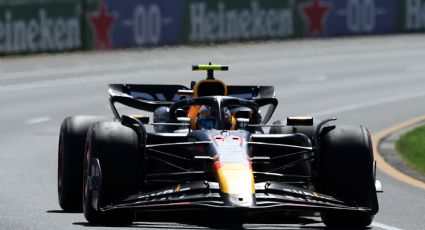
[236,184]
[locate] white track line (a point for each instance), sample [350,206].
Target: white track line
[87,78]
[384,226]
[76,70]
[37,120]
[61,82]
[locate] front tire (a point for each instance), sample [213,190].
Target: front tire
[116,148]
[347,173]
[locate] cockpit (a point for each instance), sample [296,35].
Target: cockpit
[213,112]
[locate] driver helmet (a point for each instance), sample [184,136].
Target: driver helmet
[208,118]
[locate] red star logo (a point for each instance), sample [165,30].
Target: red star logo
[314,15]
[102,22]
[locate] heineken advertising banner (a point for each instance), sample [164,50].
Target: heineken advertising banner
[28,26]
[210,21]
[331,18]
[39,26]
[132,23]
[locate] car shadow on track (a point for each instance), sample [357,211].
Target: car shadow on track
[184,221]
[56,211]
[219,226]
[214,221]
[62,211]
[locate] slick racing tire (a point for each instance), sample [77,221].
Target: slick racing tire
[347,173]
[115,149]
[72,141]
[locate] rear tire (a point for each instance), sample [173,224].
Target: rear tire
[117,149]
[347,173]
[72,142]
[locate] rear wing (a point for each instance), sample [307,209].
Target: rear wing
[149,97]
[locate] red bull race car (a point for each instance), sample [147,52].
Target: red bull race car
[206,149]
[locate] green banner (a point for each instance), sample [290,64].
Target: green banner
[43,27]
[411,16]
[216,21]
[34,2]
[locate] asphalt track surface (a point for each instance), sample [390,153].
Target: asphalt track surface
[374,81]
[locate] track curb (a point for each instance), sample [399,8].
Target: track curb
[389,167]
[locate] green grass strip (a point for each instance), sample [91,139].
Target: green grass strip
[411,147]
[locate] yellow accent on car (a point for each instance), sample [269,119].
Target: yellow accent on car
[178,187]
[236,179]
[210,67]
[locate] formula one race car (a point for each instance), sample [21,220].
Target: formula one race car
[208,151]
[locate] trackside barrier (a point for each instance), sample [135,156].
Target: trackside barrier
[132,23]
[28,26]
